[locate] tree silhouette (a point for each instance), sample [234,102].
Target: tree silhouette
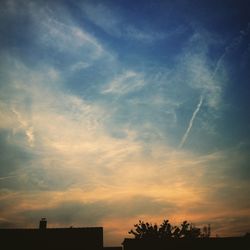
[189,231]
[167,231]
[145,231]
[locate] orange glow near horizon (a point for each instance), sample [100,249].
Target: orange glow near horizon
[109,115]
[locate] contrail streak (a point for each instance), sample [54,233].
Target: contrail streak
[184,138]
[235,43]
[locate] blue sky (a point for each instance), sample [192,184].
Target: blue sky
[114,111]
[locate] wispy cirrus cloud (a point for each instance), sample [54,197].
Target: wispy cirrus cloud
[65,35]
[80,66]
[77,124]
[54,29]
[209,80]
[88,137]
[24,125]
[229,48]
[103,16]
[126,82]
[113,22]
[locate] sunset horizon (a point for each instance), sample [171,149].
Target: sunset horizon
[113,112]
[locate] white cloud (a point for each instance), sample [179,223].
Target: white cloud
[103,16]
[128,81]
[198,73]
[67,37]
[80,66]
[114,23]
[28,129]
[74,155]
[76,132]
[134,33]
[191,78]
[77,159]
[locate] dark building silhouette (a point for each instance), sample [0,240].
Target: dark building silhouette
[43,223]
[112,248]
[236,243]
[52,238]
[91,238]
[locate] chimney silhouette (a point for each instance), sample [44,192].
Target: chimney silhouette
[43,223]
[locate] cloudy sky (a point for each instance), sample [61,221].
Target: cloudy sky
[115,111]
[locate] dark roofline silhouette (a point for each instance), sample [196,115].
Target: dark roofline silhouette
[43,238]
[76,238]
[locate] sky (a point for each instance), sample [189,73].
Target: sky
[115,111]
